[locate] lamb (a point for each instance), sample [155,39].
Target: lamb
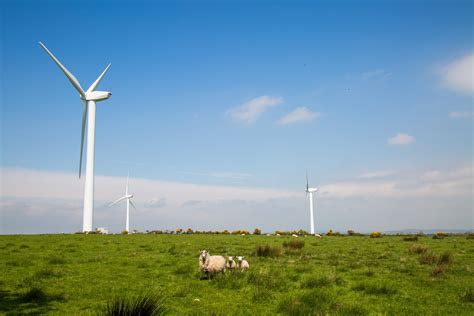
[317,235]
[231,263]
[211,265]
[242,264]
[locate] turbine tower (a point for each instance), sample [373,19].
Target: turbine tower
[127,197]
[310,191]
[89,99]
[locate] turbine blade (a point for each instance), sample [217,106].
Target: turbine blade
[69,75]
[307,183]
[131,203]
[118,200]
[84,116]
[96,83]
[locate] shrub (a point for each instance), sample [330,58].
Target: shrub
[301,232]
[441,234]
[124,232]
[445,258]
[189,231]
[294,244]
[410,238]
[143,305]
[428,257]
[418,248]
[330,233]
[268,251]
[34,294]
[257,231]
[375,235]
[437,237]
[470,236]
[438,269]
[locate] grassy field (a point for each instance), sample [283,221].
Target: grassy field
[351,275]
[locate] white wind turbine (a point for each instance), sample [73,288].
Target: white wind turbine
[89,98]
[127,197]
[310,191]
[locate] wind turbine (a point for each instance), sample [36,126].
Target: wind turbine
[127,197]
[310,191]
[89,99]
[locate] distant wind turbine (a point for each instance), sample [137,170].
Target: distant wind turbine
[89,98]
[127,197]
[310,191]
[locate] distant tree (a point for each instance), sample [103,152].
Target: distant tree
[257,231]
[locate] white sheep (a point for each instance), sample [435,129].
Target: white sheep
[294,235]
[317,235]
[231,263]
[211,265]
[242,264]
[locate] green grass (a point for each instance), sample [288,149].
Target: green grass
[355,275]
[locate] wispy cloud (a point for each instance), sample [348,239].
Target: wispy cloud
[221,175]
[460,115]
[156,203]
[250,111]
[376,174]
[435,183]
[42,201]
[458,75]
[300,114]
[401,140]
[376,74]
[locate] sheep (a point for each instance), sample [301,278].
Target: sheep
[317,235]
[242,264]
[294,235]
[231,263]
[211,265]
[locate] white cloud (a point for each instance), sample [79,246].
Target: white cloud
[464,114]
[376,174]
[250,111]
[458,75]
[41,201]
[222,175]
[401,139]
[25,183]
[378,73]
[435,183]
[156,202]
[300,114]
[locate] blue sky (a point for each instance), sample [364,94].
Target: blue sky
[360,73]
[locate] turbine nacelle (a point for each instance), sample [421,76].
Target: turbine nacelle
[97,96]
[311,190]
